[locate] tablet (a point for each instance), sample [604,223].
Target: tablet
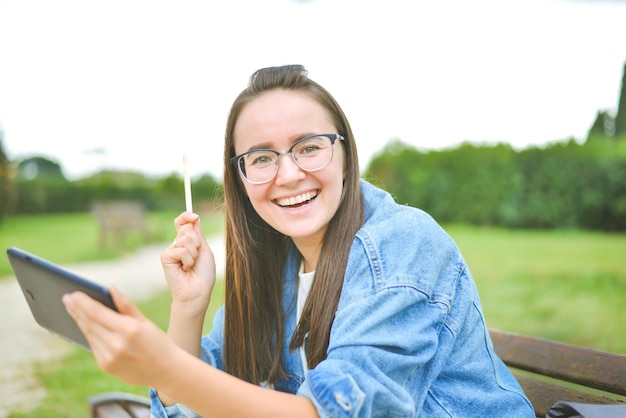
[44,284]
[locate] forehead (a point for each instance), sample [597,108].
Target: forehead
[280,115]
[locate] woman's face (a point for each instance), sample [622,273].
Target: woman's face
[296,203]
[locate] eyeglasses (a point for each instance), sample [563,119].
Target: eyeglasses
[311,153]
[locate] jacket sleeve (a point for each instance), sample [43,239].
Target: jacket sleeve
[211,353]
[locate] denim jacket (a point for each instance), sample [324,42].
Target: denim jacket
[409,338]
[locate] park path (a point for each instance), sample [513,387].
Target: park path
[23,342]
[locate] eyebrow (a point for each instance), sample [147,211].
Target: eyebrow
[266,145]
[257,147]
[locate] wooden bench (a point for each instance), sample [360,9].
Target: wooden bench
[119,218]
[119,405]
[551,371]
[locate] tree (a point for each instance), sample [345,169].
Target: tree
[6,196]
[603,127]
[40,168]
[620,118]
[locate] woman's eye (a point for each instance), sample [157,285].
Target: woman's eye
[261,160]
[309,149]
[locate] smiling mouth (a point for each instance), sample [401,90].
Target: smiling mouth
[297,201]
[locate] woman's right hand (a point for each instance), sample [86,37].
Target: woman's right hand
[189,266]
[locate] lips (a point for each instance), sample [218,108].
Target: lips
[297,201]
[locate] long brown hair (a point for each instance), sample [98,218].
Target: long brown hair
[256,253]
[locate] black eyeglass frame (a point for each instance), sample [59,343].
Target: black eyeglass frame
[236,160]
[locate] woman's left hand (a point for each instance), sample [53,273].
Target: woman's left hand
[125,343]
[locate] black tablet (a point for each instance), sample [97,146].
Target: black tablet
[44,284]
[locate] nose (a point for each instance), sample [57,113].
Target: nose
[288,170]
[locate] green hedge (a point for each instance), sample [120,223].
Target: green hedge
[565,185]
[58,195]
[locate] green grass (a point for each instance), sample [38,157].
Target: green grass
[74,238]
[563,285]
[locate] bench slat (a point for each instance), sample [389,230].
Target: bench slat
[584,366]
[545,394]
[111,411]
[119,405]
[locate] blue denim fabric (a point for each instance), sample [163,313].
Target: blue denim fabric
[409,337]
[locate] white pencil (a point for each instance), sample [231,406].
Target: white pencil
[188,206]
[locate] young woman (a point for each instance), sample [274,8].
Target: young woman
[339,302]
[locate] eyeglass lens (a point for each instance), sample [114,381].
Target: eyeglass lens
[310,154]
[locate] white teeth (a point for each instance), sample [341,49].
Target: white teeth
[294,200]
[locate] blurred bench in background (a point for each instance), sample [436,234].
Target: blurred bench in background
[119,218]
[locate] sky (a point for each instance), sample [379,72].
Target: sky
[137,84]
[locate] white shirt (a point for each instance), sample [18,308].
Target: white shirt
[304,287]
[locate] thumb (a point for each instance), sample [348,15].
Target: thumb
[123,304]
